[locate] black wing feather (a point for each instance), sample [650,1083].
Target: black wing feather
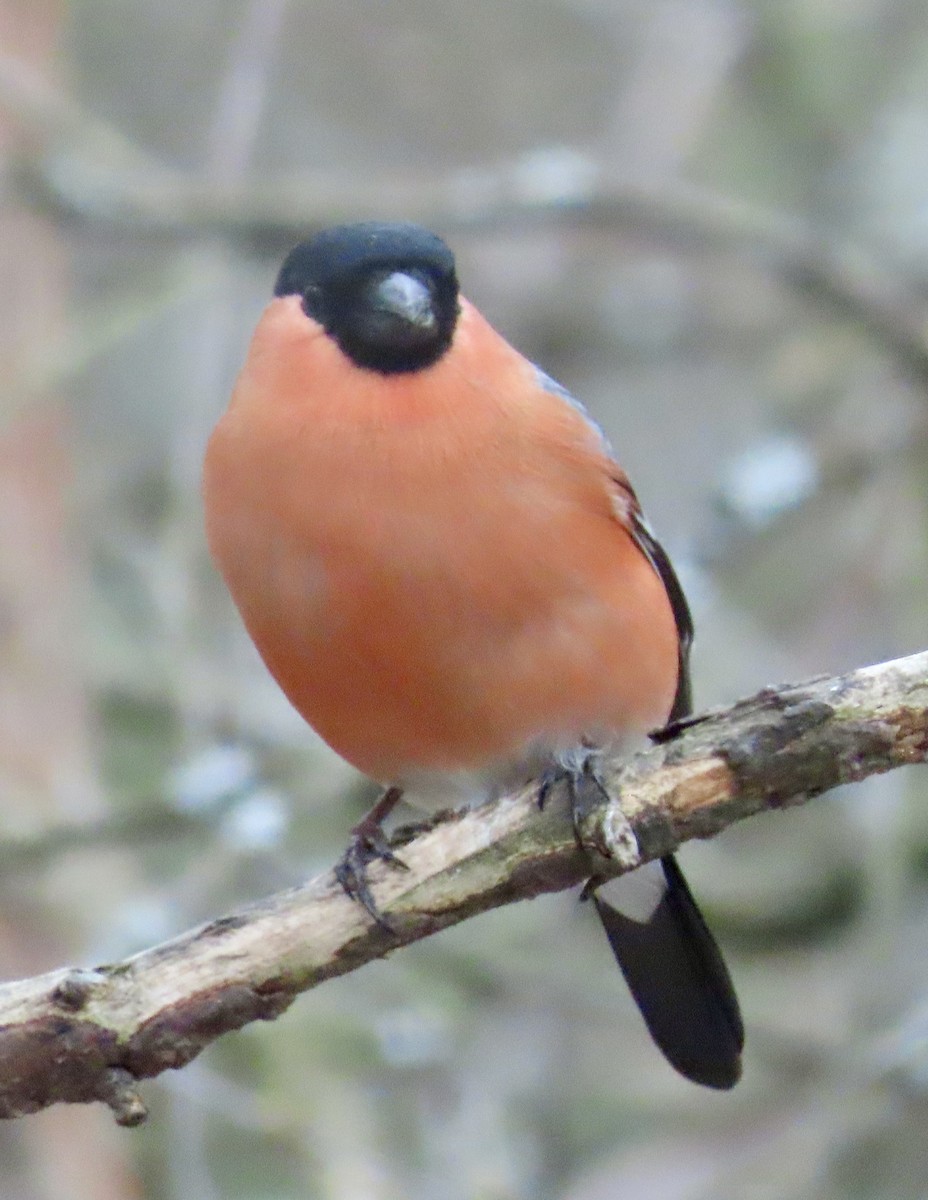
[656,555]
[670,961]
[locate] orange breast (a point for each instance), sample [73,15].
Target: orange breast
[431,564]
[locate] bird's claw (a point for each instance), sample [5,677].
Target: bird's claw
[586,787]
[368,844]
[581,775]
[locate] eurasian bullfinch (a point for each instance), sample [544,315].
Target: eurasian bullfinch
[450,577]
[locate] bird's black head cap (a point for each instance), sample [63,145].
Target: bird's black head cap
[387,293]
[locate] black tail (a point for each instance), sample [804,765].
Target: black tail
[668,956]
[678,979]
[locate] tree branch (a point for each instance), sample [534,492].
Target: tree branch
[151,199]
[90,172]
[82,1035]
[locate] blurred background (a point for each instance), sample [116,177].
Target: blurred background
[710,220]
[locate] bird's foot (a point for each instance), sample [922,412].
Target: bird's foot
[581,773]
[368,843]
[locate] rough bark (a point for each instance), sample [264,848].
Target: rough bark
[80,1035]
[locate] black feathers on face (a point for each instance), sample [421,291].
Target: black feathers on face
[387,294]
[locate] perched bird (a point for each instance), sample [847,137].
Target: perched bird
[450,577]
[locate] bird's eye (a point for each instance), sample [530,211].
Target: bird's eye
[314,302]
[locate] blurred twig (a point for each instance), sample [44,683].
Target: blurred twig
[280,210]
[155,823]
[44,111]
[90,1035]
[89,172]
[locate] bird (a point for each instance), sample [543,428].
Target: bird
[441,562]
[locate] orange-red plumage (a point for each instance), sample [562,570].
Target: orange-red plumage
[436,566]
